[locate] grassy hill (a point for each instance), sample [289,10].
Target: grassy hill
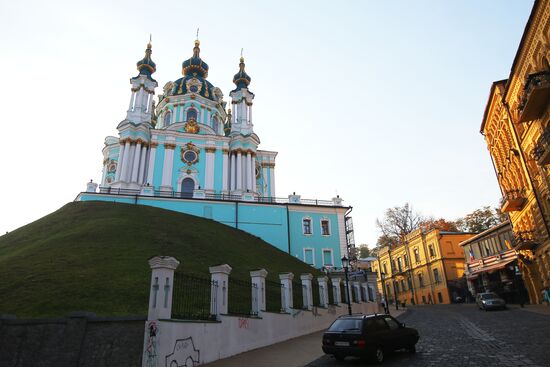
[92,256]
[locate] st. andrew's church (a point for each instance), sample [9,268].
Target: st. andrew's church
[190,152]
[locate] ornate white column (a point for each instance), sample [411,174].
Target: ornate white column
[225,172]
[248,174]
[233,172]
[151,167]
[127,157]
[135,165]
[239,171]
[272,175]
[209,168]
[119,162]
[254,188]
[167,167]
[141,175]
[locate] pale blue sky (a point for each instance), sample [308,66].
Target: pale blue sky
[378,101]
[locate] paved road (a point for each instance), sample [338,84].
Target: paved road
[461,335]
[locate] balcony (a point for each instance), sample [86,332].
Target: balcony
[541,152]
[513,201]
[536,96]
[525,240]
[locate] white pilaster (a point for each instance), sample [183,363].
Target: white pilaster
[323,290]
[258,278]
[162,285]
[167,167]
[286,292]
[135,165]
[151,167]
[209,168]
[336,290]
[220,289]
[254,189]
[233,174]
[225,173]
[141,175]
[308,294]
[272,183]
[127,157]
[119,162]
[131,106]
[248,171]
[239,171]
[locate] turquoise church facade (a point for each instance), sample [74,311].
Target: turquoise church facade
[191,151]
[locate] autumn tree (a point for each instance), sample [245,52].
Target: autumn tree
[480,220]
[397,222]
[364,251]
[442,224]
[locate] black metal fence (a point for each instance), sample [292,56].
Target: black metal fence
[243,297]
[298,295]
[273,296]
[191,299]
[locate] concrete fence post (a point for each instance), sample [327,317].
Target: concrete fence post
[323,290]
[307,293]
[258,278]
[220,288]
[162,281]
[356,291]
[336,290]
[365,291]
[286,292]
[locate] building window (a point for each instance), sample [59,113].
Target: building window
[406,259]
[215,124]
[327,257]
[309,256]
[385,268]
[192,114]
[306,225]
[436,276]
[409,283]
[167,118]
[399,266]
[432,251]
[416,255]
[403,285]
[420,280]
[325,227]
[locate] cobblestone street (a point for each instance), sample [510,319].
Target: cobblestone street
[462,335]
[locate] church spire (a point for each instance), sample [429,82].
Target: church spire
[241,79]
[146,66]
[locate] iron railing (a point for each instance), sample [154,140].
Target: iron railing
[533,80]
[242,297]
[298,295]
[212,196]
[194,298]
[274,296]
[542,144]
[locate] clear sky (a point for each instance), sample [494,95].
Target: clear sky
[378,101]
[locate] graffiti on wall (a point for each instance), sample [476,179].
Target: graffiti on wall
[151,344]
[243,323]
[184,354]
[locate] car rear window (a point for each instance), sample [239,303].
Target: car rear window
[348,325]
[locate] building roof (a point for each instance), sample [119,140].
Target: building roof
[485,233]
[488,105]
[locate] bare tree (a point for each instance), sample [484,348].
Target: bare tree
[397,222]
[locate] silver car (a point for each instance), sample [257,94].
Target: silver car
[490,301]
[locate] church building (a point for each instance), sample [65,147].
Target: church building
[190,152]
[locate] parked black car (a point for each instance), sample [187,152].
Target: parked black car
[368,336]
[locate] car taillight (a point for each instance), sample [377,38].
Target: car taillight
[360,343]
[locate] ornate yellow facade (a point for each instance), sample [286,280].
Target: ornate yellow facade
[517,132]
[425,268]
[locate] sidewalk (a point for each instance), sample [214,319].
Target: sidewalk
[296,352]
[540,309]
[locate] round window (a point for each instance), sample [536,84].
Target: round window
[190,156]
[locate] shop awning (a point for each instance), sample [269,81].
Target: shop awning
[490,268]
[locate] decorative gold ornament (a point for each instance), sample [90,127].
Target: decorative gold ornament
[268,164]
[210,149]
[169,146]
[193,85]
[191,126]
[225,151]
[154,144]
[190,154]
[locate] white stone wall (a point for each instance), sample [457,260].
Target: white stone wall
[205,342]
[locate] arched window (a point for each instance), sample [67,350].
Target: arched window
[167,118]
[215,124]
[192,114]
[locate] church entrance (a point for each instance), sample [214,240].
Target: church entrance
[187,187]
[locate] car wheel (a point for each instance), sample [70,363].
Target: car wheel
[379,355]
[412,349]
[339,357]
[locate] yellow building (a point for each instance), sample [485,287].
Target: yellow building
[425,268]
[516,126]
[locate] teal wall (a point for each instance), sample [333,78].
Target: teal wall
[268,222]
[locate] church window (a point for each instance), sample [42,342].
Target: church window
[327,257]
[215,124]
[325,227]
[190,156]
[306,225]
[309,256]
[192,114]
[167,118]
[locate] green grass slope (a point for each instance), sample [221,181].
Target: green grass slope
[92,256]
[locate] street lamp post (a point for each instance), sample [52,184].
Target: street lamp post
[345,265]
[383,277]
[395,292]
